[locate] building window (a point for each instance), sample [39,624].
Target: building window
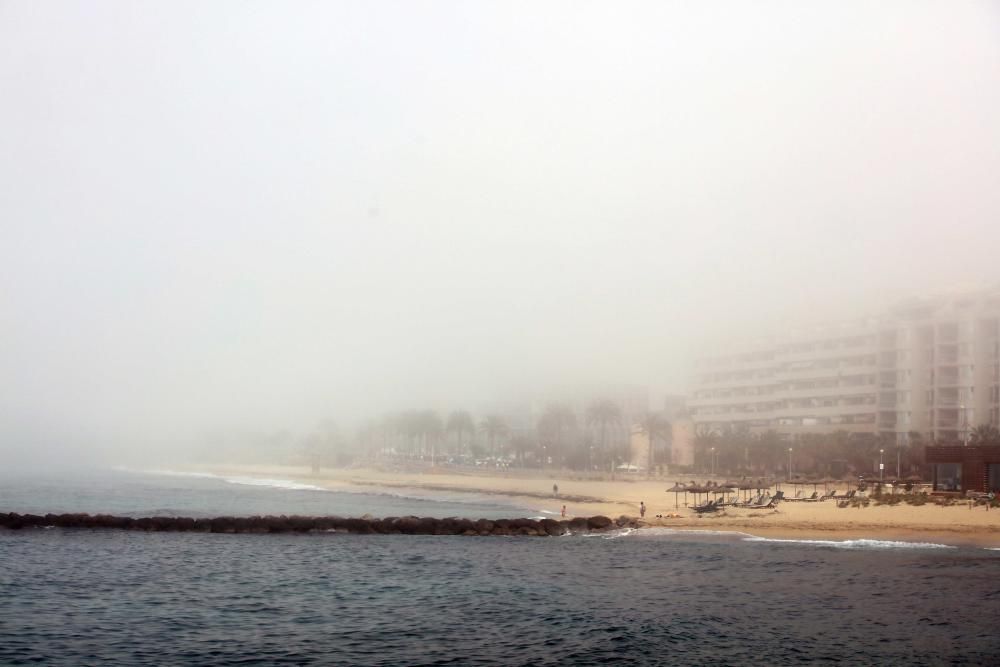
[948,477]
[993,477]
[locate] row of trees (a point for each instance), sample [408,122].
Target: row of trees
[598,439]
[839,454]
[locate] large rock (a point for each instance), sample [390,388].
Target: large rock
[599,523]
[552,527]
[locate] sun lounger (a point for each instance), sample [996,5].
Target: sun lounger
[762,503]
[710,506]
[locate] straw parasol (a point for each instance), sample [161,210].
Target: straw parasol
[678,488]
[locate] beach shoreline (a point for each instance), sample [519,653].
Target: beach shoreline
[956,525]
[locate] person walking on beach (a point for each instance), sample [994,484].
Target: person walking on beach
[642,509]
[564,511]
[555,490]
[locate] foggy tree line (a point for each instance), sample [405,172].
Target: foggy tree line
[597,439]
[838,454]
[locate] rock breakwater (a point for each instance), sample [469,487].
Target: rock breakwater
[407,525]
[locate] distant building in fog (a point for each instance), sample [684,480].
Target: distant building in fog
[929,366]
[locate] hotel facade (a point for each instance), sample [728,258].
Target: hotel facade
[929,366]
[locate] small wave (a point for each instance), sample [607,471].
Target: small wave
[837,544]
[652,532]
[854,544]
[244,480]
[624,532]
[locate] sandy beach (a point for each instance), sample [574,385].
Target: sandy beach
[790,520]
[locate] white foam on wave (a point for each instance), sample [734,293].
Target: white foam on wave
[854,544]
[837,544]
[652,532]
[286,484]
[611,535]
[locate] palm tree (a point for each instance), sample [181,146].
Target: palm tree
[321,443]
[408,425]
[493,426]
[654,424]
[604,413]
[704,440]
[460,422]
[556,421]
[521,444]
[430,429]
[985,435]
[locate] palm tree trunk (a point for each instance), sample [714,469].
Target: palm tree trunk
[649,459]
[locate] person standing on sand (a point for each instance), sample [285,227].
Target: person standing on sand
[564,511]
[555,490]
[642,509]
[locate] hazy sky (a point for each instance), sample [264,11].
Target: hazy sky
[265,213]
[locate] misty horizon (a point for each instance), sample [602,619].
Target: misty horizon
[238,218]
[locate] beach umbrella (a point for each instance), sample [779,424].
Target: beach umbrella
[697,490]
[745,486]
[677,489]
[726,488]
[826,482]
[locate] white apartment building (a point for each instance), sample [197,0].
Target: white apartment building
[929,366]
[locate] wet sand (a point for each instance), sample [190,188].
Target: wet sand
[790,520]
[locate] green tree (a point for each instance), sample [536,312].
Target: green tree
[554,425]
[430,428]
[603,413]
[705,438]
[985,435]
[654,425]
[460,422]
[493,426]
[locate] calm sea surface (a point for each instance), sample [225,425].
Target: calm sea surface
[77,597]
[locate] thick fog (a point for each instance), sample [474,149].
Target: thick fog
[241,217]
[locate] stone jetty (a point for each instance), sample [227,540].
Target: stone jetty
[407,525]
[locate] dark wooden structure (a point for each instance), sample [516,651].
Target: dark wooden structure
[980,466]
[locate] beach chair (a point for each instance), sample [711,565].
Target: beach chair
[762,502]
[710,506]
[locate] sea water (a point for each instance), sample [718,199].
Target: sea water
[82,597]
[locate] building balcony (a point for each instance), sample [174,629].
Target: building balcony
[734,383]
[825,428]
[825,411]
[823,392]
[717,401]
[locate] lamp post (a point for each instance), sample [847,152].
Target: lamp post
[881,465]
[965,425]
[713,461]
[789,463]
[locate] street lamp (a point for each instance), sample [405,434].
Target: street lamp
[713,461]
[965,426]
[881,465]
[789,463]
